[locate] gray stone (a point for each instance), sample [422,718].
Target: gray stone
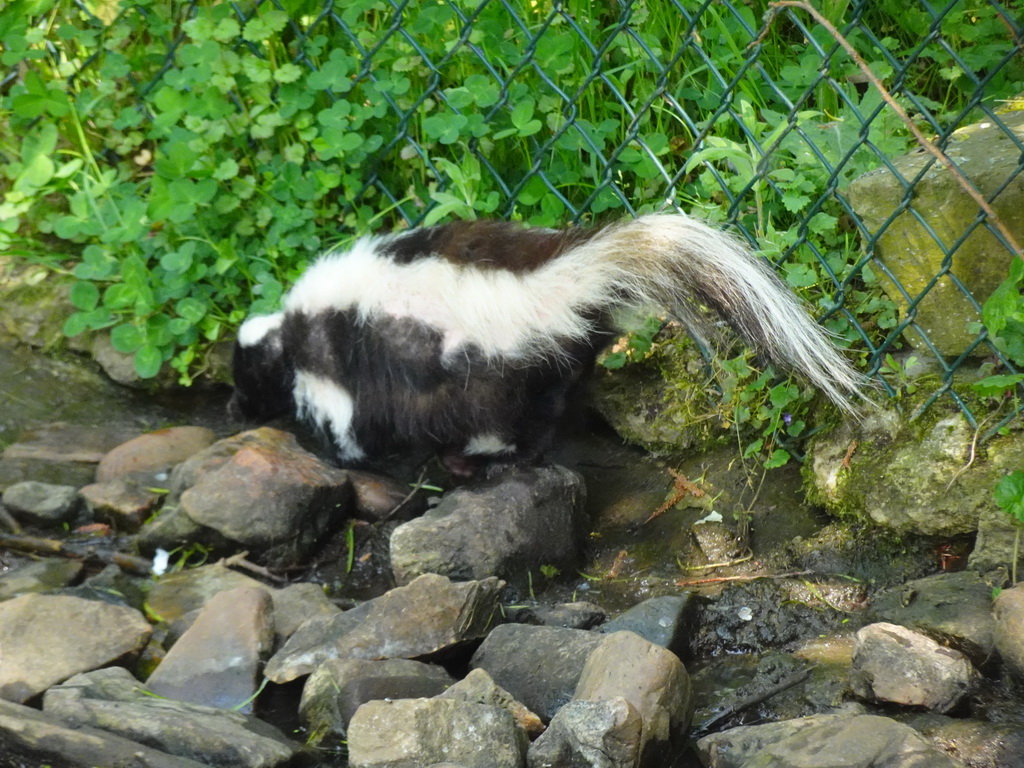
[478,687]
[505,527]
[45,639]
[410,733]
[218,661]
[896,664]
[987,155]
[428,615]
[578,615]
[153,452]
[666,620]
[1009,629]
[590,734]
[296,603]
[42,504]
[337,688]
[954,609]
[40,576]
[539,666]
[112,700]
[125,503]
[29,737]
[257,491]
[841,741]
[652,679]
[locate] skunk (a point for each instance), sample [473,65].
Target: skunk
[468,338]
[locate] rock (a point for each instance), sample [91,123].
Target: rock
[257,491]
[666,620]
[849,741]
[578,615]
[910,475]
[478,687]
[896,664]
[409,733]
[178,594]
[218,661]
[29,737]
[997,542]
[112,700]
[913,246]
[153,452]
[654,682]
[378,497]
[539,666]
[296,603]
[953,609]
[590,734]
[337,688]
[974,743]
[1009,629]
[425,617]
[42,504]
[125,502]
[45,639]
[506,527]
[40,576]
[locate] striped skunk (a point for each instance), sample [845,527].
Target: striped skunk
[468,338]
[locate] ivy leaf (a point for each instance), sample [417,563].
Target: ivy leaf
[1009,495]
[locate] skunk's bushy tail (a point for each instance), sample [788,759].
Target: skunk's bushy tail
[683,264]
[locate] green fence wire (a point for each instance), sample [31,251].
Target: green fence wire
[379,113]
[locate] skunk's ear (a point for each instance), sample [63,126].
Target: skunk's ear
[262,371]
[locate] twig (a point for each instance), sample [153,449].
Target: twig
[8,520]
[36,545]
[748,577]
[240,560]
[929,146]
[420,482]
[749,701]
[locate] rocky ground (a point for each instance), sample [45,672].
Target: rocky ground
[178,591]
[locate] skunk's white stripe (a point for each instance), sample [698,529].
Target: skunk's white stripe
[488,444]
[255,329]
[330,407]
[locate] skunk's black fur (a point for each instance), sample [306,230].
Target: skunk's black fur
[467,338]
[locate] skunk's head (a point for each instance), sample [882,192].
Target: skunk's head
[263,374]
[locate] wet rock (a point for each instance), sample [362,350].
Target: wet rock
[335,690]
[257,491]
[893,663]
[478,687]
[112,700]
[1009,629]
[153,452]
[505,527]
[218,661]
[48,638]
[652,679]
[125,503]
[29,737]
[590,734]
[850,741]
[429,616]
[666,620]
[40,576]
[414,732]
[43,504]
[974,743]
[953,609]
[539,666]
[579,615]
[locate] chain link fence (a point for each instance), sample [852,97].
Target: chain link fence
[792,122]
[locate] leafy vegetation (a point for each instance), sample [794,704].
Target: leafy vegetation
[185,161]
